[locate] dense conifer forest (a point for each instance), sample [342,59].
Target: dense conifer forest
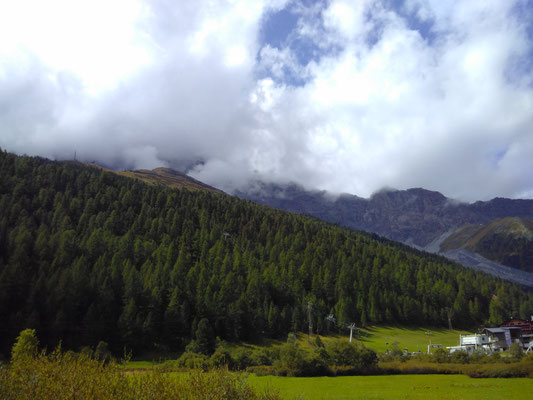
[89,256]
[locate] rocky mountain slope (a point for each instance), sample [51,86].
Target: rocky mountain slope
[417,217]
[508,241]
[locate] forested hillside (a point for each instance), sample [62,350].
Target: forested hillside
[87,255]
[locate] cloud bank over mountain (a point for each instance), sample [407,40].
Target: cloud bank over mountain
[338,95]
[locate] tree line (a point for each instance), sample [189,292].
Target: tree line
[89,256]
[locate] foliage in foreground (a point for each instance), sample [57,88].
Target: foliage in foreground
[76,376]
[288,359]
[26,345]
[475,368]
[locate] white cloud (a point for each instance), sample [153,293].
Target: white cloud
[96,40]
[375,101]
[399,111]
[347,17]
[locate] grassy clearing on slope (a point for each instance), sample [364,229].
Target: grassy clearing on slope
[441,387]
[381,338]
[414,339]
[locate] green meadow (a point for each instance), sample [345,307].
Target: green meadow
[426,387]
[380,338]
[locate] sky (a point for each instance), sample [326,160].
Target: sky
[344,96]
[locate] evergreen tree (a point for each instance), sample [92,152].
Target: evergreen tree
[27,345]
[205,338]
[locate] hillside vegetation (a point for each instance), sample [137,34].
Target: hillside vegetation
[508,241]
[164,177]
[89,256]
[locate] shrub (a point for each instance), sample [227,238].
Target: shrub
[242,359]
[261,357]
[460,357]
[193,361]
[102,352]
[193,347]
[26,345]
[168,366]
[262,370]
[221,358]
[479,358]
[205,337]
[441,356]
[291,359]
[351,354]
[514,370]
[516,351]
[64,376]
[395,350]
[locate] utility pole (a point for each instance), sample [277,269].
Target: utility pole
[450,312]
[309,307]
[352,327]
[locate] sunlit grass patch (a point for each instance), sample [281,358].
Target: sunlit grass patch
[438,387]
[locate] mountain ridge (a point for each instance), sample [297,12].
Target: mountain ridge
[163,176]
[417,217]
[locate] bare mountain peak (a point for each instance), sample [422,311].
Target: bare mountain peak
[166,177]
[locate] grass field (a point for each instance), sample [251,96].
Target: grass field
[381,338]
[427,387]
[413,339]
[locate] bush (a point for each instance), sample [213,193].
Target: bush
[460,357]
[262,370]
[516,351]
[261,357]
[102,352]
[291,359]
[193,361]
[514,370]
[441,356]
[492,370]
[242,359]
[26,345]
[351,354]
[64,376]
[221,358]
[318,342]
[419,367]
[193,347]
[479,358]
[168,366]
[395,350]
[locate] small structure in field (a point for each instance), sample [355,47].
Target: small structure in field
[434,346]
[526,329]
[497,339]
[472,343]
